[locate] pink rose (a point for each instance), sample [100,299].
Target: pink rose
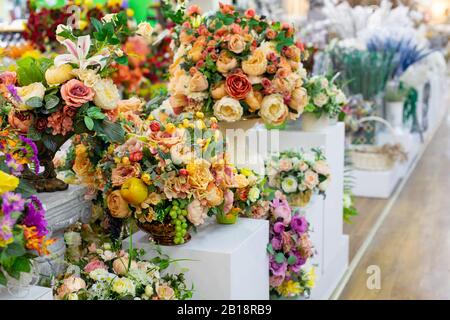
[75,93]
[94,265]
[196,213]
[228,204]
[285,165]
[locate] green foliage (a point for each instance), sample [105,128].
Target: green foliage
[31,70]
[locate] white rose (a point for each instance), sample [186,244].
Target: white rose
[321,99]
[106,94]
[324,83]
[99,274]
[88,76]
[273,110]
[149,290]
[123,286]
[36,89]
[321,167]
[228,109]
[145,30]
[340,97]
[289,184]
[253,194]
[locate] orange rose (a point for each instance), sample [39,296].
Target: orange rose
[82,164]
[195,54]
[238,86]
[134,104]
[256,64]
[226,62]
[213,195]
[236,43]
[20,120]
[218,92]
[299,99]
[254,99]
[198,82]
[117,205]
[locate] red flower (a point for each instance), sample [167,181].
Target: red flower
[250,13]
[136,156]
[237,85]
[155,126]
[183,172]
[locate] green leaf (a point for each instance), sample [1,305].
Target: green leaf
[292,260]
[279,257]
[2,279]
[96,23]
[270,249]
[15,250]
[49,143]
[28,71]
[113,131]
[34,102]
[95,113]
[123,60]
[51,101]
[89,123]
[22,264]
[25,188]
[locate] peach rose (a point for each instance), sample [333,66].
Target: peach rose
[241,181]
[321,167]
[165,292]
[198,82]
[20,120]
[299,99]
[196,213]
[236,43]
[133,104]
[226,62]
[218,92]
[75,93]
[195,54]
[237,85]
[311,179]
[122,173]
[74,284]
[213,195]
[285,165]
[199,174]
[178,102]
[256,64]
[254,100]
[117,205]
[273,110]
[186,38]
[120,265]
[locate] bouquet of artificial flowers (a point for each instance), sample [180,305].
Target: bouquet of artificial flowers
[236,66]
[289,248]
[324,97]
[298,174]
[106,273]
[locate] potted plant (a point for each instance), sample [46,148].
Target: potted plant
[395,98]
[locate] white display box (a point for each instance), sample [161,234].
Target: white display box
[34,293]
[227,262]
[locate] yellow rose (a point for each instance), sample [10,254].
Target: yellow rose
[7,182]
[199,174]
[225,62]
[107,95]
[273,110]
[236,43]
[241,181]
[228,109]
[117,205]
[198,82]
[36,89]
[256,64]
[57,75]
[82,164]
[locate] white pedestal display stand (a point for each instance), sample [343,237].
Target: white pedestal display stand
[34,293]
[63,209]
[227,262]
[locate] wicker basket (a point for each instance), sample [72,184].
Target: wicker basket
[376,158]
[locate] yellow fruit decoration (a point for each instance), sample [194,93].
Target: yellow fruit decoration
[134,191]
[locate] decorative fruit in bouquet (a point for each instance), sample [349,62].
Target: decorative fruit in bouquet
[50,100]
[134,191]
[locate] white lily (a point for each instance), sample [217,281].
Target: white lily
[78,54]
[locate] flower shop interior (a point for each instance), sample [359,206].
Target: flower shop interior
[224,150]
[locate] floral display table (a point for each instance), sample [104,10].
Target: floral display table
[225,261]
[63,209]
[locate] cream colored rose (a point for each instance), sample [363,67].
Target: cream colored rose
[106,94]
[256,64]
[36,89]
[145,30]
[299,99]
[218,92]
[74,284]
[273,110]
[321,167]
[241,181]
[236,43]
[311,179]
[198,82]
[254,100]
[123,286]
[340,97]
[120,265]
[228,109]
[88,76]
[321,99]
[57,75]
[226,62]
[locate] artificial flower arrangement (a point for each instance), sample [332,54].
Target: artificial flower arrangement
[23,228]
[169,177]
[108,273]
[325,98]
[289,250]
[298,175]
[53,99]
[41,27]
[236,66]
